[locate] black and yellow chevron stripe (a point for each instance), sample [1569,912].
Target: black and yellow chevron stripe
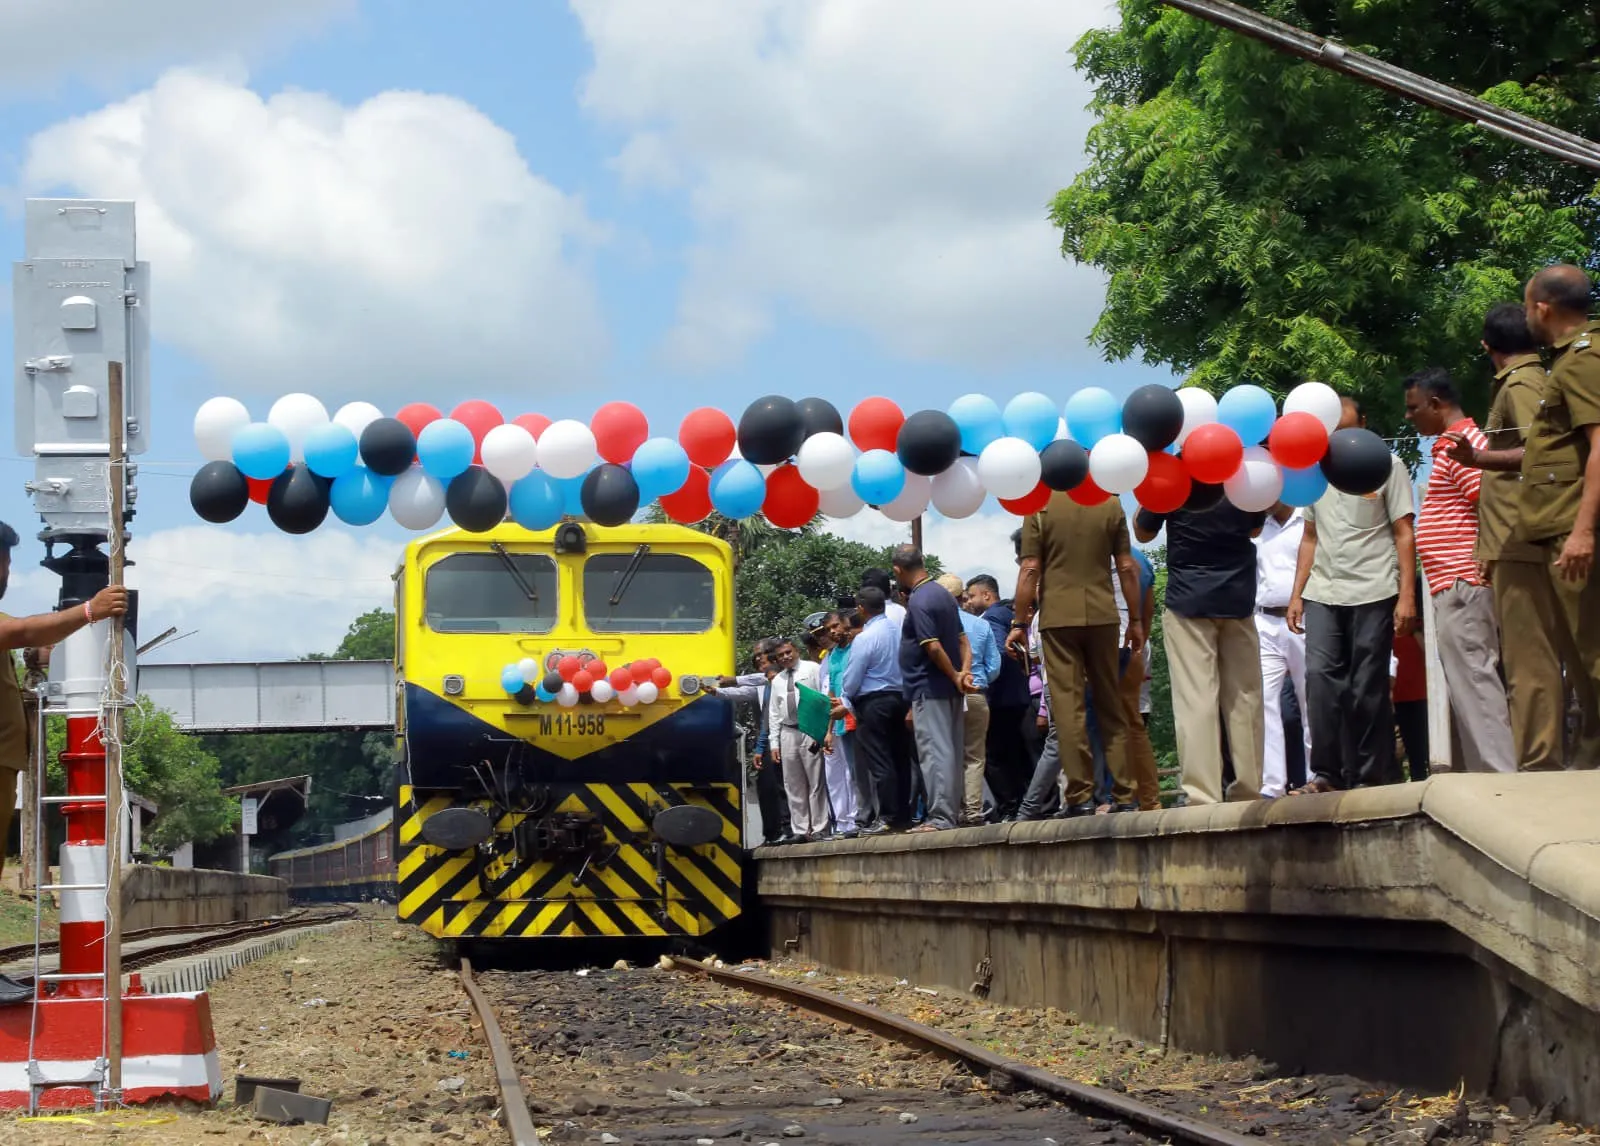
[622,891]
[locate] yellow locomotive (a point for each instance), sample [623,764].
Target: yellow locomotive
[563,772]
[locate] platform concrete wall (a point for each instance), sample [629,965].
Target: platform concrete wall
[1421,934]
[180,897]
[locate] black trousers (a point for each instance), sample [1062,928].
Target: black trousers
[883,747]
[1008,765]
[774,804]
[1412,718]
[1347,692]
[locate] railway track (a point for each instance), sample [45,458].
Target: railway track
[703,1054]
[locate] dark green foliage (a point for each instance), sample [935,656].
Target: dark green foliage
[1264,220]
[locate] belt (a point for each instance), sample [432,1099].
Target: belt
[1273,611]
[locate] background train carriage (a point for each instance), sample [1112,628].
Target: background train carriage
[358,864]
[519,817]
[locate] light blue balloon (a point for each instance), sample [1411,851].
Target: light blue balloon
[1249,411]
[543,694]
[737,489]
[660,467]
[359,496]
[511,679]
[878,478]
[536,502]
[1303,487]
[572,494]
[979,419]
[445,448]
[1031,417]
[260,451]
[1092,413]
[331,450]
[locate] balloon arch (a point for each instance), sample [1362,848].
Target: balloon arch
[786,460]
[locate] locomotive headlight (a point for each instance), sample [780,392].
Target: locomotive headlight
[454,685]
[688,684]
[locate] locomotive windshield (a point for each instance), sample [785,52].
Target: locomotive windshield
[653,593]
[498,592]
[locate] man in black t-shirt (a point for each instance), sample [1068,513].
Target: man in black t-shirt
[1213,652]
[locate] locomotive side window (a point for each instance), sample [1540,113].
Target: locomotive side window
[645,592]
[495,592]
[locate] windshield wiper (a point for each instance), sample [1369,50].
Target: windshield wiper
[516,574]
[625,578]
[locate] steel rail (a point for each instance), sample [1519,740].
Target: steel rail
[906,1031]
[513,1101]
[22,951]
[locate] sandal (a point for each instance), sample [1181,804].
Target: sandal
[1316,786]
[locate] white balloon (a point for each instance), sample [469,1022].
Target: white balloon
[958,492]
[911,501]
[825,461]
[1257,484]
[1061,429]
[629,696]
[215,423]
[1199,407]
[416,499]
[357,416]
[566,449]
[1318,399]
[509,452]
[602,691]
[568,696]
[839,503]
[529,670]
[1118,463]
[1009,467]
[296,415]
[647,692]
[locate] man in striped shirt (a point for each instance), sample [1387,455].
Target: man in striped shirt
[1463,604]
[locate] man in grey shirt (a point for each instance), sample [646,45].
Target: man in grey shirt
[1354,592]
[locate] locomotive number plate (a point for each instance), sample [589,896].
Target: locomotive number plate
[572,724]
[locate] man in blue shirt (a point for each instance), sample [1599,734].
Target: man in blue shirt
[975,717]
[936,668]
[871,688]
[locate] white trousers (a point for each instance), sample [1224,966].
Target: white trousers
[839,768]
[1281,652]
[802,783]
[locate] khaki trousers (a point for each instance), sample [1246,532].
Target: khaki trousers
[1215,666]
[1073,657]
[975,734]
[1527,608]
[1579,604]
[8,798]
[1141,757]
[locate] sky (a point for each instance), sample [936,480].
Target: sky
[547,206]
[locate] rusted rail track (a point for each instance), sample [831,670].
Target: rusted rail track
[513,1101]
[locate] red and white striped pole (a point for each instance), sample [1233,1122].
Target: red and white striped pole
[83,861]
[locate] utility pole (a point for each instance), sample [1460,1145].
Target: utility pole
[111,723]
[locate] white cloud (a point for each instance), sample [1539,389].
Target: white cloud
[977,544]
[247,596]
[384,249]
[886,164]
[98,41]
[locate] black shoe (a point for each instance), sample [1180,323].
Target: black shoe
[850,835]
[789,838]
[1125,808]
[876,828]
[1074,811]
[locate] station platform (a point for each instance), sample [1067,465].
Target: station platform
[1426,934]
[197,897]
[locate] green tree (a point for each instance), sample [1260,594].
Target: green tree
[1163,736]
[1264,220]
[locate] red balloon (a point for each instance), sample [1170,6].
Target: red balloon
[568,667]
[259,488]
[582,681]
[661,677]
[480,417]
[707,436]
[1166,487]
[535,424]
[875,424]
[640,671]
[619,429]
[597,669]
[1212,453]
[1087,493]
[790,502]
[418,415]
[692,502]
[1031,502]
[1298,440]
[621,679]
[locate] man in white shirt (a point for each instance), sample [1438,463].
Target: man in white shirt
[804,781]
[1282,650]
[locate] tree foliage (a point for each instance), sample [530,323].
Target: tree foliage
[1265,220]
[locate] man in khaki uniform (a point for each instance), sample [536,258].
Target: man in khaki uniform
[1535,641]
[37,632]
[1067,555]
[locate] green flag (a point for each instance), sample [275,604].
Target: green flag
[816,713]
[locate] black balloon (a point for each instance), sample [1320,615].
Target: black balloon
[388,446]
[610,495]
[298,499]
[1203,496]
[819,416]
[1357,461]
[1153,416]
[1063,465]
[219,492]
[929,442]
[552,682]
[770,431]
[475,500]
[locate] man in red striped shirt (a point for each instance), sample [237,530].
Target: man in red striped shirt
[1463,604]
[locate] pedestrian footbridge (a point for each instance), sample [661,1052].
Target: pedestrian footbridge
[273,696]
